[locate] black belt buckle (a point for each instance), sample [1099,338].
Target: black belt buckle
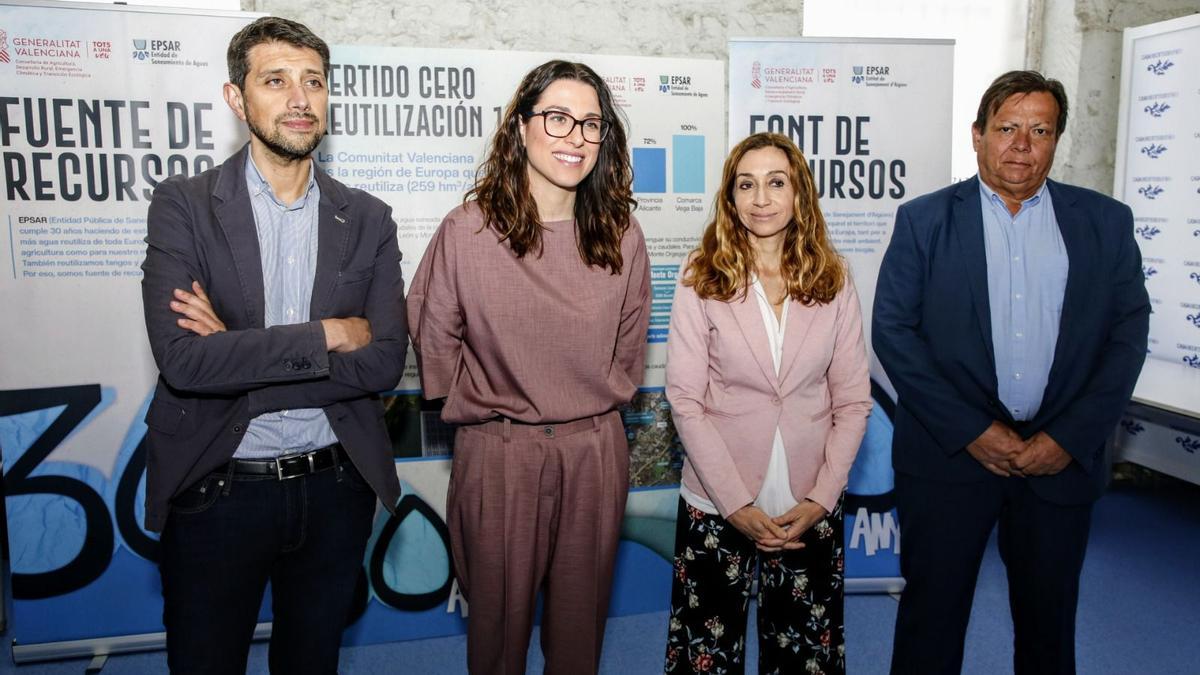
[294,466]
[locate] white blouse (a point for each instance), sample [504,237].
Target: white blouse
[775,497]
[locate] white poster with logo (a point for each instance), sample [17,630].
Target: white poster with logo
[1158,175]
[98,106]
[872,117]
[101,103]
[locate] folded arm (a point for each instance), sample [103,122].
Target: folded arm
[366,354]
[226,362]
[310,364]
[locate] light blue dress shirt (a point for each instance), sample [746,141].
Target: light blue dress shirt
[1027,276]
[287,242]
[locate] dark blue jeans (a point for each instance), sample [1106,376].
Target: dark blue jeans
[227,537]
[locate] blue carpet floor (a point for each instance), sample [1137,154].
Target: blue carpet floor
[1139,611]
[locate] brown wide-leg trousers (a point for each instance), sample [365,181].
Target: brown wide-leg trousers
[537,507]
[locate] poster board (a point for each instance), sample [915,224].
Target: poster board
[872,117]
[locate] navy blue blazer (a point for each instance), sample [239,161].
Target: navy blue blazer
[932,332]
[209,388]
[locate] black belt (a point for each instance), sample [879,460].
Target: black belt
[293,466]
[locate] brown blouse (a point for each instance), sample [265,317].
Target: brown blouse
[539,339]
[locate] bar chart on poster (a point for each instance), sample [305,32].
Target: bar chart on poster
[686,159]
[684,155]
[673,173]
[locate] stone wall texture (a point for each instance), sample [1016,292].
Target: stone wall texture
[1080,44]
[688,28]
[1076,41]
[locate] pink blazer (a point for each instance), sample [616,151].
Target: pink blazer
[727,401]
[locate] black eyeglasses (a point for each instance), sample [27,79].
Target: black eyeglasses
[560,125]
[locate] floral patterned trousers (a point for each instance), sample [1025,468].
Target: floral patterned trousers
[799,599]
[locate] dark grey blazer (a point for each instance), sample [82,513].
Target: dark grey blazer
[209,388]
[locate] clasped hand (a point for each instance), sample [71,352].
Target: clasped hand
[779,533]
[1003,452]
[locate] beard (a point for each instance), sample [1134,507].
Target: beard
[281,144]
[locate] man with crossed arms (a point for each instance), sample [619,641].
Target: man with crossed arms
[275,309]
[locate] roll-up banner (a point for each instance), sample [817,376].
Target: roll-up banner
[1157,174]
[873,118]
[98,105]
[101,103]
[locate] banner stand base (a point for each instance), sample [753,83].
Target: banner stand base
[891,585]
[101,648]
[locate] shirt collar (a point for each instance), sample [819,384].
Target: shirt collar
[259,185]
[990,195]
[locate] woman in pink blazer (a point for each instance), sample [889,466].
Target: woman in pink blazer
[768,384]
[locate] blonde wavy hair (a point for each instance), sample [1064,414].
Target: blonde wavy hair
[722,266]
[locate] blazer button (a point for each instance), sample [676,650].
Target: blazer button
[287,365]
[775,400]
[237,428]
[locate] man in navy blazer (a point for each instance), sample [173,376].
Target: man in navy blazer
[274,305]
[1011,316]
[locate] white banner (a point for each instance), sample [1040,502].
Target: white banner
[1158,175]
[98,106]
[872,116]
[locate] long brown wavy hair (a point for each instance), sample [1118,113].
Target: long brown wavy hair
[603,200]
[722,266]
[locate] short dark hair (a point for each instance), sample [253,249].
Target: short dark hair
[1021,82]
[270,29]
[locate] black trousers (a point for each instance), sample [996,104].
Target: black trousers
[800,599]
[224,540]
[944,529]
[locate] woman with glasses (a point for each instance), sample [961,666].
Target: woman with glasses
[528,314]
[767,379]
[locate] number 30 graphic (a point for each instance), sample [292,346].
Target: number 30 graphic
[93,557]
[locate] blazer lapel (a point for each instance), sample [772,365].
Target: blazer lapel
[749,319]
[799,321]
[967,229]
[333,237]
[1073,229]
[231,205]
